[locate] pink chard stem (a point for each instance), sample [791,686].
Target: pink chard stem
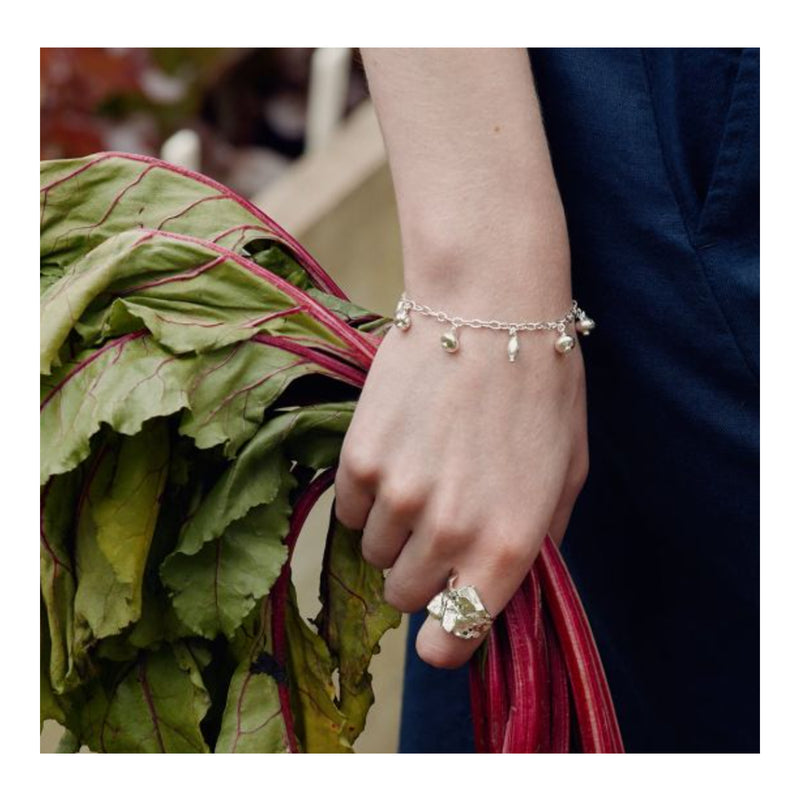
[597,721]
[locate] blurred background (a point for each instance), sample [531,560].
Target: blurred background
[293,130]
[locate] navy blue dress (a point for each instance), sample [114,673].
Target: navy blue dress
[656,154]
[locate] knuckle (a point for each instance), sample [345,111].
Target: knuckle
[403,498]
[449,532]
[448,538]
[359,466]
[509,553]
[374,556]
[344,513]
[396,593]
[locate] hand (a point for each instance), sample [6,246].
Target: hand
[462,461]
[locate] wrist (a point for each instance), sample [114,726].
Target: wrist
[516,268]
[504,283]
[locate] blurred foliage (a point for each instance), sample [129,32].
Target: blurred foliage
[248,105]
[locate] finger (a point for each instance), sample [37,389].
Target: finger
[496,578]
[387,528]
[417,575]
[354,497]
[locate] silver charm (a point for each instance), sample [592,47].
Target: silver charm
[460,611]
[585,325]
[513,345]
[401,316]
[449,340]
[565,343]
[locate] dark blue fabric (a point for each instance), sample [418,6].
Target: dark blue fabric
[656,154]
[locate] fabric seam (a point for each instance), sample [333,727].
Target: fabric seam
[700,261]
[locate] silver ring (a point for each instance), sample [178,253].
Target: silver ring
[461,611]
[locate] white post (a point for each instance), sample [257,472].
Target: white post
[183,149]
[327,94]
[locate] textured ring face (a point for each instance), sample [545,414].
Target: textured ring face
[461,612]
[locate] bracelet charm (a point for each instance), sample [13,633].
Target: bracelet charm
[449,340]
[513,344]
[450,343]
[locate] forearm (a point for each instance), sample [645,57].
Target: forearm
[482,223]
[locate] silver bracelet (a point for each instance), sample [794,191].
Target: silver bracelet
[449,340]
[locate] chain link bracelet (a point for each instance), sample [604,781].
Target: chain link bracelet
[450,343]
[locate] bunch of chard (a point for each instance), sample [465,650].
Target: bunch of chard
[199,372]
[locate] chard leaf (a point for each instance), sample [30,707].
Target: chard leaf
[157,705]
[349,311]
[50,704]
[316,434]
[252,721]
[124,383]
[58,501]
[306,432]
[192,295]
[214,589]
[319,724]
[228,397]
[352,620]
[116,518]
[254,477]
[252,480]
[272,257]
[85,201]
[126,514]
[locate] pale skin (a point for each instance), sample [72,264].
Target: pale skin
[466,461]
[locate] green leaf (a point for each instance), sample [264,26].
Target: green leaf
[85,201]
[126,514]
[252,721]
[158,705]
[348,311]
[215,588]
[192,295]
[50,706]
[352,620]
[124,383]
[319,724]
[254,477]
[272,257]
[58,501]
[316,432]
[229,396]
[116,520]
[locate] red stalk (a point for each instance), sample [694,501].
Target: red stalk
[597,722]
[345,372]
[524,724]
[541,671]
[559,690]
[497,704]
[477,693]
